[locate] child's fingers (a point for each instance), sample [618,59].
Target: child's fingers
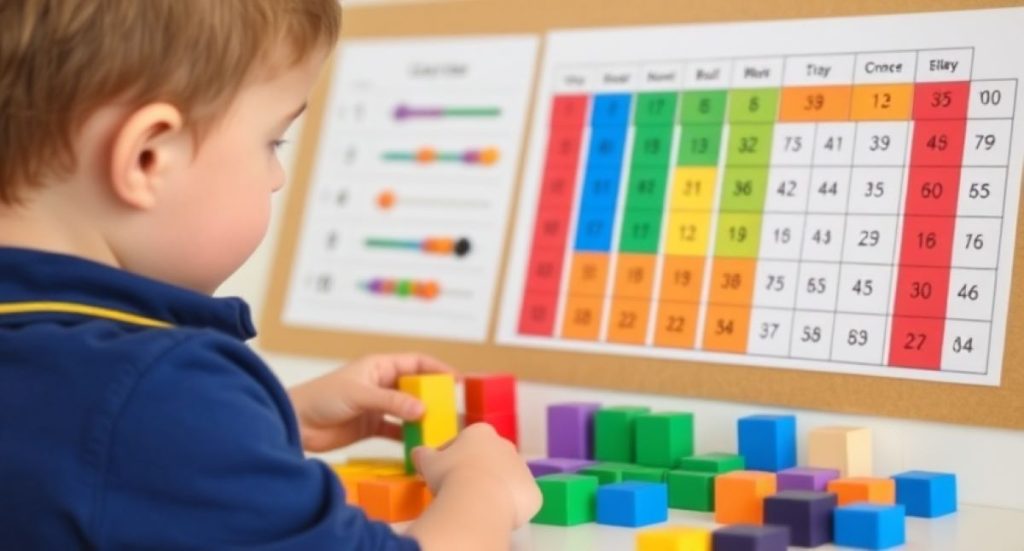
[388,401]
[394,366]
[389,430]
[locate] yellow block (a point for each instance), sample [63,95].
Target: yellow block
[437,392]
[350,477]
[674,538]
[846,449]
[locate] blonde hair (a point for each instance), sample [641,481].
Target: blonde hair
[61,60]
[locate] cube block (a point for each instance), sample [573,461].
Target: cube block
[505,424]
[691,490]
[712,463]
[846,449]
[606,473]
[809,479]
[749,537]
[489,393]
[412,436]
[350,476]
[640,473]
[613,433]
[926,494]
[571,429]
[556,465]
[439,423]
[632,504]
[864,489]
[808,515]
[739,496]
[568,499]
[662,439]
[768,442]
[394,499]
[870,526]
[673,538]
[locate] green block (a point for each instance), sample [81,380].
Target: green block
[703,107]
[662,439]
[568,499]
[606,473]
[691,490]
[756,105]
[641,230]
[613,429]
[744,189]
[646,188]
[652,146]
[412,436]
[641,473]
[738,235]
[700,144]
[717,463]
[656,108]
[749,145]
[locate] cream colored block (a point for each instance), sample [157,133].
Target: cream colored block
[846,449]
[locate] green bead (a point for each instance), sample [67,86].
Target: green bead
[717,463]
[662,439]
[569,499]
[613,433]
[690,490]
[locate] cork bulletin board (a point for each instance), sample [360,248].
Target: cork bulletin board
[790,203]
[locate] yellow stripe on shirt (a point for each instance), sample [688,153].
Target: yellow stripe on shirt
[80,309]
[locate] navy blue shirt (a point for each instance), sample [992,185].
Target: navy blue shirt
[133,415]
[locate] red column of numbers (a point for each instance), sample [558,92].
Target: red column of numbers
[940,113]
[551,229]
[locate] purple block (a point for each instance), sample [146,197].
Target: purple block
[808,479]
[808,515]
[748,537]
[571,430]
[556,465]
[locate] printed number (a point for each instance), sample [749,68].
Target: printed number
[975,241]
[787,188]
[675,324]
[724,327]
[688,232]
[941,99]
[864,287]
[834,143]
[814,102]
[969,293]
[937,142]
[879,143]
[822,237]
[682,278]
[931,190]
[984,141]
[782,235]
[816,285]
[704,106]
[979,190]
[883,100]
[775,282]
[754,105]
[869,238]
[921,290]
[810,334]
[627,320]
[927,240]
[691,187]
[748,144]
[731,281]
[991,97]
[914,341]
[700,145]
[829,188]
[963,345]
[768,330]
[582,316]
[742,188]
[738,234]
[875,189]
[793,144]
[857,337]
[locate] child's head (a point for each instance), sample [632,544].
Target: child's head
[144,131]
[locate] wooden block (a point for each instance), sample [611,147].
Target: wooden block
[845,449]
[613,433]
[489,393]
[739,496]
[393,499]
[864,489]
[674,538]
[662,439]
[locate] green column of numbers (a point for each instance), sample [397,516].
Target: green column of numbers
[648,172]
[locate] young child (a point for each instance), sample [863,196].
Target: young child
[137,160]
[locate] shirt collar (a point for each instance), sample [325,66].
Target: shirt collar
[29,276]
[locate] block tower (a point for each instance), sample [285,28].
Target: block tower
[440,422]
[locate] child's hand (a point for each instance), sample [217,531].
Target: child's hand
[349,403]
[484,465]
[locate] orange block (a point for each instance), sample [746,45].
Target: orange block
[582,318]
[350,476]
[858,489]
[815,103]
[739,496]
[394,499]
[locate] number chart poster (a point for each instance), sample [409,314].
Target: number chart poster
[836,195]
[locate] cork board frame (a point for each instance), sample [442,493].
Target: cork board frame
[1001,406]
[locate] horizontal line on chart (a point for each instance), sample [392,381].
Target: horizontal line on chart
[383,308]
[452,266]
[684,124]
[800,261]
[792,212]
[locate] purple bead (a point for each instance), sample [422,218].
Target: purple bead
[571,430]
[556,465]
[471,156]
[809,479]
[808,515]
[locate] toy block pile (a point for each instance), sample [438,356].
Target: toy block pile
[388,489]
[627,466]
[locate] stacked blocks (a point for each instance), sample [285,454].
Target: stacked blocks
[606,473]
[692,485]
[717,463]
[556,465]
[863,489]
[806,478]
[440,422]
[662,439]
[846,449]
[674,538]
[613,433]
[393,499]
[571,429]
[870,526]
[926,494]
[808,515]
[768,442]
[748,537]
[739,496]
[641,473]
[568,499]
[632,504]
[358,470]
[491,399]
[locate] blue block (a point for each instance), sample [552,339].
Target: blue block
[926,494]
[768,442]
[870,526]
[632,504]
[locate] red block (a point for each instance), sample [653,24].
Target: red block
[505,424]
[490,393]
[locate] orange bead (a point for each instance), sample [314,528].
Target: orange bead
[386,200]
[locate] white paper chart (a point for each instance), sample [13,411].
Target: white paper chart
[836,195]
[407,210]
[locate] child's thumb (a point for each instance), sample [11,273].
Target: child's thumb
[391,402]
[422,456]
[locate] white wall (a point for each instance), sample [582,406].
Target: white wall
[989,463]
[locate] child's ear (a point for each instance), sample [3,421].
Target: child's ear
[147,148]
